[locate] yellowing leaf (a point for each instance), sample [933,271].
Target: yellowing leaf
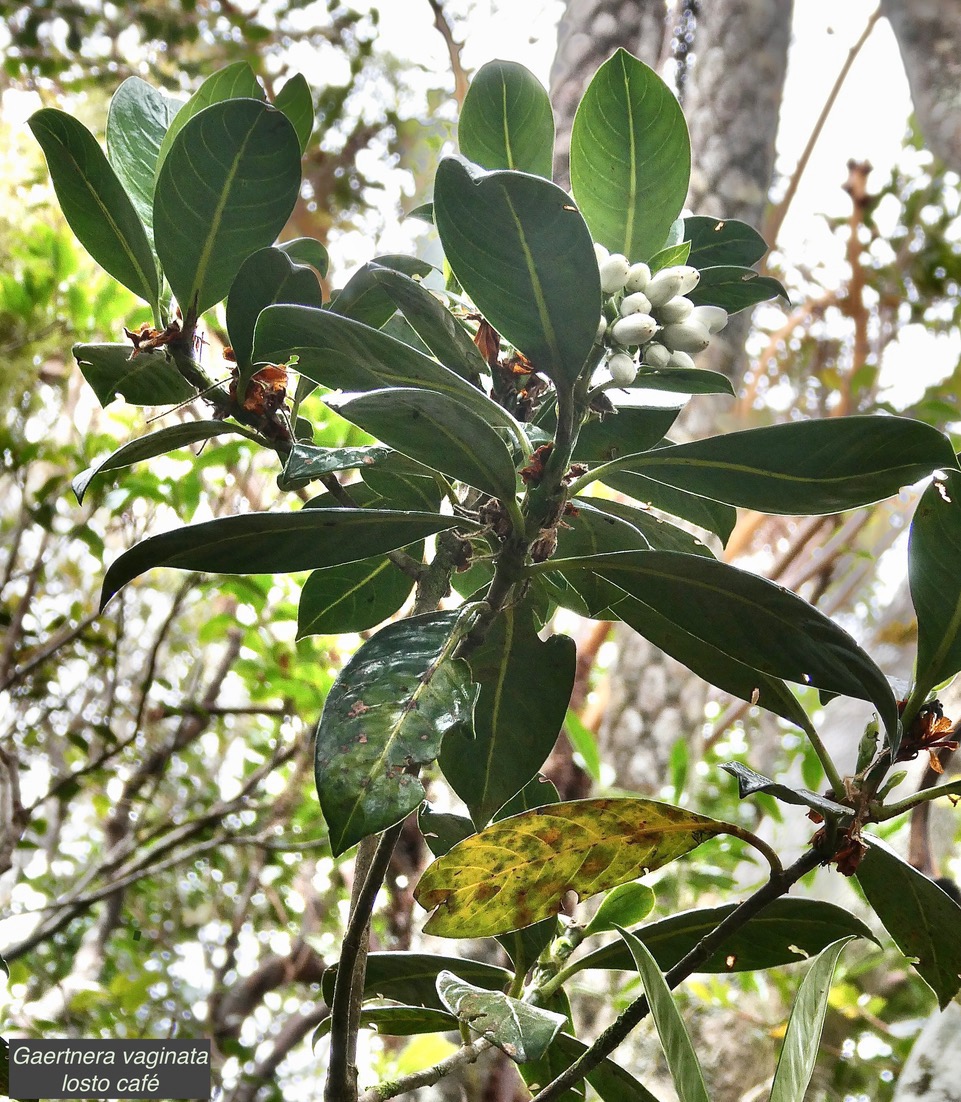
[517,871]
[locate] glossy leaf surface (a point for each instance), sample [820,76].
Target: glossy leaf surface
[785,932]
[517,871]
[632,429]
[147,447]
[138,119]
[506,120]
[660,534]
[274,543]
[514,242]
[630,157]
[147,379]
[226,188]
[307,462]
[434,429]
[364,299]
[683,380]
[442,829]
[749,782]
[623,906]
[296,102]
[803,1037]
[722,241]
[307,250]
[525,685]
[519,1029]
[398,1021]
[412,977]
[388,711]
[94,202]
[933,551]
[713,516]
[354,596]
[675,1040]
[923,920]
[734,288]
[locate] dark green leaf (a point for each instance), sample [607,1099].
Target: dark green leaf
[307,462]
[147,379]
[296,102]
[307,250]
[625,905]
[538,1073]
[441,830]
[935,580]
[749,782]
[266,277]
[802,1040]
[236,81]
[518,870]
[226,188]
[593,532]
[274,543]
[434,429]
[138,119]
[714,516]
[521,250]
[785,932]
[506,120]
[352,597]
[675,1040]
[630,157]
[403,483]
[536,793]
[425,212]
[412,977]
[631,429]
[673,254]
[923,920]
[610,1080]
[388,711]
[661,535]
[802,467]
[157,443]
[525,685]
[440,331]
[683,380]
[398,1021]
[757,623]
[722,241]
[363,298]
[95,204]
[734,288]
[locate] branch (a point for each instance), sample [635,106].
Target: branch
[453,51]
[429,1076]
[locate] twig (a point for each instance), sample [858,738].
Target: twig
[429,1076]
[453,51]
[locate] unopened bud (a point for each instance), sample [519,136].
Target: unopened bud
[614,273]
[601,253]
[681,359]
[638,277]
[656,355]
[638,303]
[675,310]
[634,329]
[623,368]
[663,287]
[713,318]
[686,336]
[689,277]
[601,329]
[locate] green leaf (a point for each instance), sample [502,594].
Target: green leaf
[536,793]
[675,1040]
[610,1080]
[146,447]
[412,977]
[584,742]
[734,288]
[307,462]
[785,932]
[922,919]
[714,516]
[437,327]
[307,250]
[673,254]
[397,1021]
[755,622]
[802,1040]
[343,354]
[144,379]
[388,711]
[95,204]
[722,241]
[682,380]
[297,103]
[236,81]
[274,543]
[517,871]
[364,299]
[749,782]
[507,121]
[138,119]
[802,467]
[521,250]
[266,277]
[625,905]
[631,429]
[441,829]
[225,189]
[352,597]
[436,430]
[486,766]
[661,535]
[630,157]
[935,581]
[403,483]
[519,1029]
[538,1073]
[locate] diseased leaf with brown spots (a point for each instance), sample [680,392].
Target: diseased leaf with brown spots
[517,871]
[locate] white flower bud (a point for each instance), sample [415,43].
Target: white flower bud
[601,253]
[686,336]
[623,369]
[638,277]
[681,359]
[634,329]
[690,277]
[656,355]
[713,318]
[663,287]
[638,303]
[614,273]
[675,310]
[601,329]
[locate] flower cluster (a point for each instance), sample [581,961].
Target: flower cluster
[649,315]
